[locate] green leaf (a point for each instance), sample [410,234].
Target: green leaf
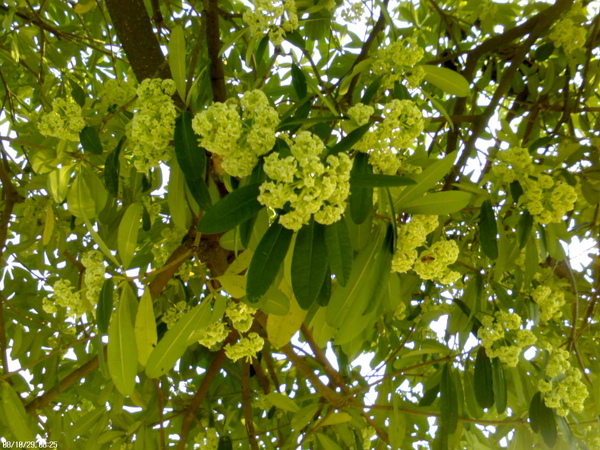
[58,182]
[499,382]
[225,443]
[81,203]
[128,233]
[177,59]
[348,142]
[14,410]
[361,199]
[145,328]
[77,93]
[484,392]
[448,401]
[267,260]
[281,328]
[488,231]
[425,180]
[371,91]
[542,420]
[122,350]
[176,198]
[376,180]
[105,305]
[299,82]
[231,210]
[175,341]
[112,168]
[524,228]
[309,264]
[191,159]
[445,202]
[90,141]
[282,401]
[447,80]
[335,419]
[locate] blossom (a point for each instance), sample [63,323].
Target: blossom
[64,121]
[241,316]
[65,296]
[216,333]
[411,236]
[432,263]
[549,301]
[563,390]
[95,269]
[173,314]
[395,59]
[246,347]
[503,337]
[275,17]
[568,35]
[116,93]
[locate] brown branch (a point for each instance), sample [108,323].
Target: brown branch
[247,406]
[160,401]
[214,44]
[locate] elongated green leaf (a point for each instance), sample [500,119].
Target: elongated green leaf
[128,232]
[122,350]
[145,328]
[524,228]
[81,203]
[348,142]
[299,82]
[438,203]
[309,264]
[176,199]
[175,341]
[542,420]
[14,410]
[499,382]
[105,305]
[281,328]
[447,80]
[58,182]
[177,59]
[425,180]
[361,199]
[488,231]
[90,141]
[112,169]
[191,159]
[282,401]
[448,401]
[231,210]
[484,392]
[371,91]
[325,292]
[376,180]
[267,260]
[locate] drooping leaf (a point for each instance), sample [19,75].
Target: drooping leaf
[145,328]
[105,305]
[17,418]
[267,260]
[499,381]
[309,264]
[81,203]
[90,141]
[361,199]
[122,349]
[484,392]
[282,401]
[299,82]
[176,198]
[235,285]
[542,419]
[348,142]
[335,419]
[112,169]
[524,228]
[438,203]
[128,232]
[377,180]
[177,64]
[488,231]
[280,329]
[231,210]
[447,80]
[448,401]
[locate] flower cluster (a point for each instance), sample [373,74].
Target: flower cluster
[565,391]
[94,274]
[173,314]
[151,129]
[502,337]
[241,316]
[547,200]
[403,123]
[310,186]
[64,295]
[116,93]
[568,35]
[216,333]
[171,238]
[239,134]
[64,121]
[396,59]
[352,12]
[208,439]
[549,301]
[277,17]
[246,347]
[430,264]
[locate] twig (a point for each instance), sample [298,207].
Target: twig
[247,406]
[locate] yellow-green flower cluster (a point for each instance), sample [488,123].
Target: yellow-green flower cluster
[116,93]
[568,35]
[171,239]
[173,314]
[93,275]
[411,236]
[64,295]
[240,134]
[352,12]
[549,301]
[565,391]
[241,316]
[216,333]
[275,16]
[208,439]
[310,186]
[360,113]
[503,338]
[403,123]
[394,60]
[432,264]
[513,164]
[246,347]
[64,121]
[151,129]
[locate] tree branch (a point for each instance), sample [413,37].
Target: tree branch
[213,40]
[247,406]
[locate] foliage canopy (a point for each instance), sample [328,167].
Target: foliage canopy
[313,223]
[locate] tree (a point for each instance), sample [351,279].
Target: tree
[307,224]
